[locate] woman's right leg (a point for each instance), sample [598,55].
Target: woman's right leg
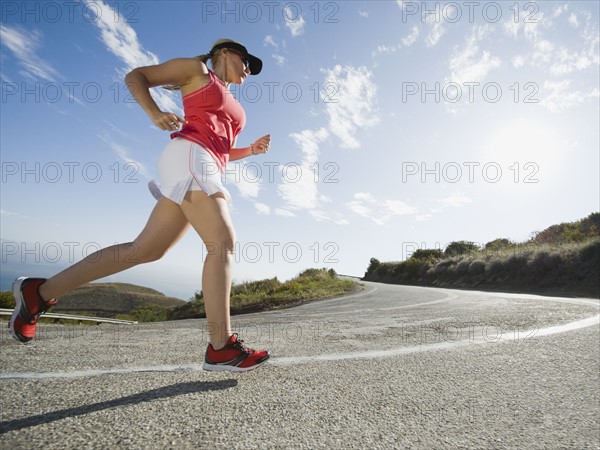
[165,226]
[209,215]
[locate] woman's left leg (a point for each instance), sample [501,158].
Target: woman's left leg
[165,226]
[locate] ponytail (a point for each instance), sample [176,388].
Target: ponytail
[175,87]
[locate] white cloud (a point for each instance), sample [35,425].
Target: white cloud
[398,208]
[121,40]
[455,200]
[518,61]
[549,57]
[436,22]
[532,29]
[423,217]
[560,9]
[24,45]
[299,189]
[246,179]
[4,213]
[122,152]
[569,62]
[412,37]
[384,49]
[543,52]
[573,20]
[435,34]
[407,41]
[123,133]
[363,13]
[364,196]
[320,215]
[4,78]
[284,213]
[512,27]
[561,98]
[359,208]
[293,20]
[261,208]
[350,104]
[279,59]
[469,64]
[379,211]
[270,41]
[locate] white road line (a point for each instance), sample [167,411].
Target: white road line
[298,360]
[335,309]
[373,354]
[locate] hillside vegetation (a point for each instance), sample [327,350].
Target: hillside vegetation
[131,302]
[563,259]
[253,296]
[112,300]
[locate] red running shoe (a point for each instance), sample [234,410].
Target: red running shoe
[234,357]
[28,308]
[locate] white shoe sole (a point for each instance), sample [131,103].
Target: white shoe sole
[19,303]
[226,368]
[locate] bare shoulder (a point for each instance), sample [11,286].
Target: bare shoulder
[179,71]
[188,66]
[198,76]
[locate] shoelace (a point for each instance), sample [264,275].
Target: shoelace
[239,345]
[43,310]
[31,319]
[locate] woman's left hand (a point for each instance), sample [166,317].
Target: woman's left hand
[261,145]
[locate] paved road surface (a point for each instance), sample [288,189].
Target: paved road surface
[392,367]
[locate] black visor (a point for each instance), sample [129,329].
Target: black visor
[255,63]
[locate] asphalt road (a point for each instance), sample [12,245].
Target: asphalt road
[392,367]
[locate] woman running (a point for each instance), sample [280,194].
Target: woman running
[191,192]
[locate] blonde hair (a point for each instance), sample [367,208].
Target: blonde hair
[214,58]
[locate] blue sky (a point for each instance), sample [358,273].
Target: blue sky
[395,126]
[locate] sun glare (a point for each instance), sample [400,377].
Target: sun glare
[524,148]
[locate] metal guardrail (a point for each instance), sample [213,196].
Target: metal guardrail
[98,320]
[349,276]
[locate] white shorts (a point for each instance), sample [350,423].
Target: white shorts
[186,166]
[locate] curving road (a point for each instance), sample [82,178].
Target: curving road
[391,367]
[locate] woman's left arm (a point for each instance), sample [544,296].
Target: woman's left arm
[260,146]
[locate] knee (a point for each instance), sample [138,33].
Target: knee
[224,244]
[229,243]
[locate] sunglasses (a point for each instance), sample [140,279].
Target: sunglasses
[242,57]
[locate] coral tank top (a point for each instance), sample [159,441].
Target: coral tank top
[214,119]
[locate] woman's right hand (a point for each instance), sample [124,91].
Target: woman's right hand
[168,121]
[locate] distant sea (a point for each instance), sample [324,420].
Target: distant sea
[11,270]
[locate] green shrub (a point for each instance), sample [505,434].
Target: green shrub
[499,245]
[267,287]
[7,300]
[440,269]
[373,265]
[563,258]
[150,313]
[193,309]
[495,267]
[427,254]
[477,267]
[462,267]
[591,252]
[460,248]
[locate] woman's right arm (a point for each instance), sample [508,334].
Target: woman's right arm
[178,71]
